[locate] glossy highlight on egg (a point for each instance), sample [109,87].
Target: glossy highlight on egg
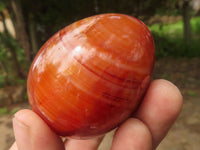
[91,76]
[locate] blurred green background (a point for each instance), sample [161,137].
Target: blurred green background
[175,25]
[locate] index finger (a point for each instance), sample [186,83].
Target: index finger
[160,108]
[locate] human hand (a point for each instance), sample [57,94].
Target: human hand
[144,131]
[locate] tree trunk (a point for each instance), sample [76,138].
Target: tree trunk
[3,66]
[186,20]
[16,66]
[96,6]
[20,26]
[4,22]
[137,8]
[33,37]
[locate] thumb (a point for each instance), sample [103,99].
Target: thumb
[32,133]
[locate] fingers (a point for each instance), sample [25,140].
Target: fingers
[160,108]
[90,144]
[33,134]
[14,146]
[133,134]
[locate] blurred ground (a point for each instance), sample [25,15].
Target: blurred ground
[184,135]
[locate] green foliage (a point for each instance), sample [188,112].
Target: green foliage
[20,81]
[6,111]
[192,93]
[50,16]
[2,5]
[13,111]
[7,74]
[195,23]
[166,76]
[26,96]
[169,39]
[2,80]
[3,110]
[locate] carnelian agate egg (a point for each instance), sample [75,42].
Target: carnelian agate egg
[90,76]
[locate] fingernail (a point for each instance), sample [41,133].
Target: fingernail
[21,131]
[19,123]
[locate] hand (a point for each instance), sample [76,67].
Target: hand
[144,131]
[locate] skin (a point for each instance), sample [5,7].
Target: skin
[143,131]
